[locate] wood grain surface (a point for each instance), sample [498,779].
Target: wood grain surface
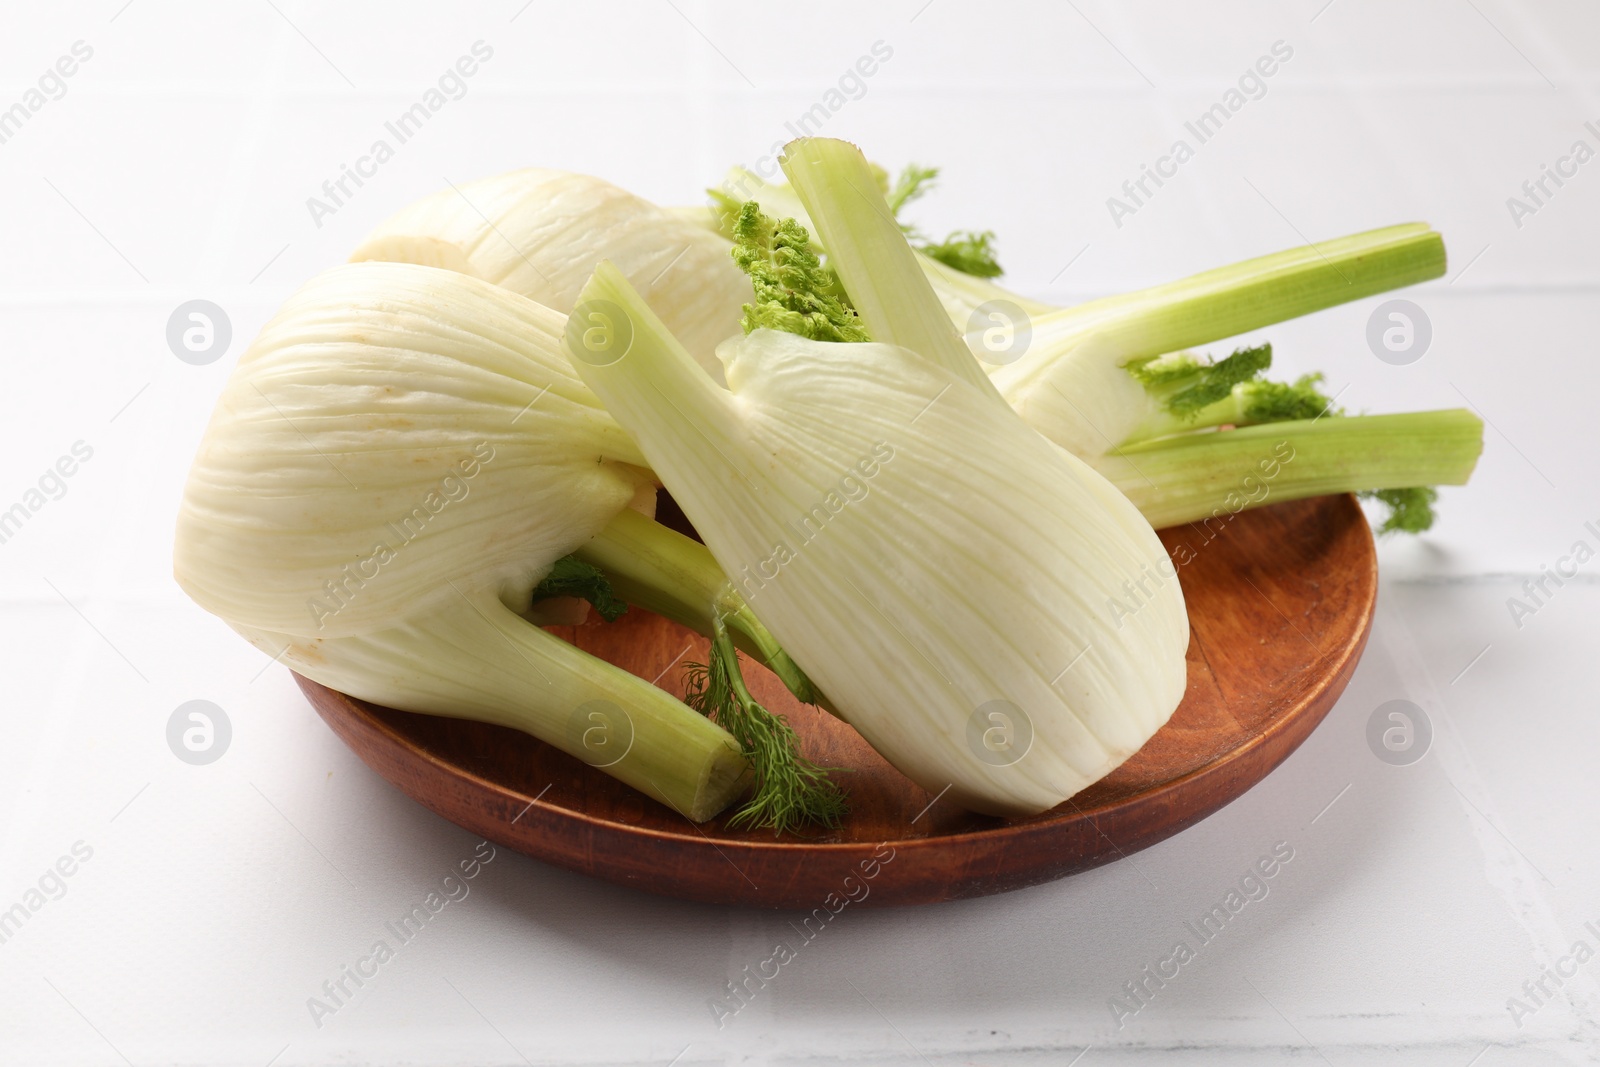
[1280,602]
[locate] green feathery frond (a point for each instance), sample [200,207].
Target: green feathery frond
[790,790]
[1217,380]
[968,252]
[1410,510]
[1187,386]
[915,181]
[1280,402]
[571,576]
[1202,383]
[1165,370]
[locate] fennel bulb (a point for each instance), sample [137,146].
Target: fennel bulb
[943,572]
[396,461]
[541,232]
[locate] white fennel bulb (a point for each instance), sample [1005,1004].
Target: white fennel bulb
[396,461]
[541,232]
[955,583]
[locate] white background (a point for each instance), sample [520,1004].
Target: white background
[218,898]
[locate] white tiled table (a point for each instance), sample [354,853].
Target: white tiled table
[217,899]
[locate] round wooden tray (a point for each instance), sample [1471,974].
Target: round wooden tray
[1280,603]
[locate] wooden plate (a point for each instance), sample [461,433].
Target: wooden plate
[1280,602]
